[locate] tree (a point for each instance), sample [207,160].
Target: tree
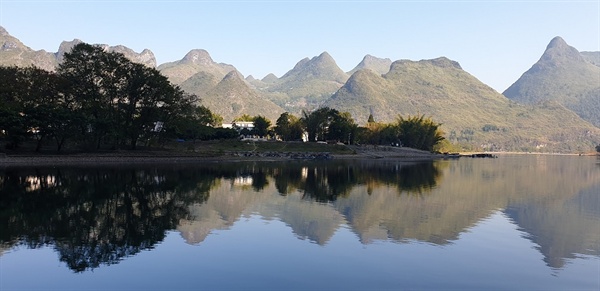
[419,132]
[371,119]
[197,125]
[288,127]
[329,124]
[244,117]
[598,148]
[48,113]
[342,127]
[120,101]
[33,103]
[261,125]
[316,123]
[13,88]
[93,78]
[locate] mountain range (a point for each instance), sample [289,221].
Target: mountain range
[553,107]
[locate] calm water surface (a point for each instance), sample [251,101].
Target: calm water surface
[516,222]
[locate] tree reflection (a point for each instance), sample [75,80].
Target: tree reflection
[100,215]
[327,182]
[96,216]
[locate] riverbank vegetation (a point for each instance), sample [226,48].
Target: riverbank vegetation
[99,100]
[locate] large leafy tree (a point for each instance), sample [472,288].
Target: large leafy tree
[12,88]
[288,127]
[48,113]
[33,104]
[197,125]
[120,101]
[316,123]
[327,123]
[94,77]
[342,127]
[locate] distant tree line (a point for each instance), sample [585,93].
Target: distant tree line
[98,99]
[326,124]
[102,100]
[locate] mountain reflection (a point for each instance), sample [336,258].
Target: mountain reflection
[95,216]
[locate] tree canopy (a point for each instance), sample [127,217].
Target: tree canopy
[419,132]
[96,98]
[289,127]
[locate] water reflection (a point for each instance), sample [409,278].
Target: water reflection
[97,216]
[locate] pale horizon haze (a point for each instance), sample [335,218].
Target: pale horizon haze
[495,41]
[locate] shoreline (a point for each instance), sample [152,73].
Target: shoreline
[383,153]
[371,154]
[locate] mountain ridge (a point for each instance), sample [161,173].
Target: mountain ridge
[472,113]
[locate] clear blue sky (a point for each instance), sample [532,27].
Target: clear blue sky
[496,41]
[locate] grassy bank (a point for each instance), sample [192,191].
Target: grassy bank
[198,149]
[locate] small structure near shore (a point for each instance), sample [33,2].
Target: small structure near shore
[288,155]
[475,155]
[483,155]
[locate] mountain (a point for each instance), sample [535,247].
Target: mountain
[233,97]
[538,114]
[592,57]
[472,114]
[308,84]
[200,83]
[380,66]
[146,57]
[193,62]
[270,78]
[220,86]
[563,75]
[14,53]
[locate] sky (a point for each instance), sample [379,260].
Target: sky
[495,41]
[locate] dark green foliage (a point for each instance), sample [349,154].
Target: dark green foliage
[97,98]
[288,127]
[370,119]
[419,132]
[120,100]
[225,133]
[378,134]
[33,104]
[329,124]
[261,126]
[198,125]
[315,123]
[244,117]
[342,127]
